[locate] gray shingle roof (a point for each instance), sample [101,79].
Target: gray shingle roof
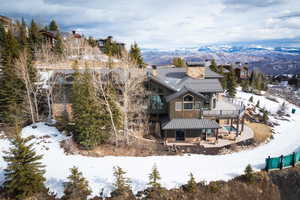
[191,123]
[176,78]
[183,91]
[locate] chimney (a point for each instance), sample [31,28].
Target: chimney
[73,32]
[154,70]
[195,70]
[207,62]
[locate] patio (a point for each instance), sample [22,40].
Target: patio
[224,139]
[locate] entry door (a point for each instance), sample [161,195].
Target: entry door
[180,135]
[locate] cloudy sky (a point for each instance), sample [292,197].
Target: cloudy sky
[167,23]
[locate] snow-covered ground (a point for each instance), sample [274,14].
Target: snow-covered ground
[174,170]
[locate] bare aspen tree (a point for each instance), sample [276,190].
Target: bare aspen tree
[32,88]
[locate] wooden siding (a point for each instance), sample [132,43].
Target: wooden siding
[194,113]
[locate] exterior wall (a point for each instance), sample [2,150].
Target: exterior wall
[62,110]
[190,135]
[193,113]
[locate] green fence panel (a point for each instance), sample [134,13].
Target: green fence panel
[297,157]
[288,161]
[273,163]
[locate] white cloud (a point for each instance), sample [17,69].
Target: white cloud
[158,23]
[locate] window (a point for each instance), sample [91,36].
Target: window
[178,106]
[188,102]
[198,105]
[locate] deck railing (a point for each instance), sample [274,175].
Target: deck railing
[222,113]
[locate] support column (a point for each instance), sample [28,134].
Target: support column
[217,133]
[230,125]
[243,122]
[237,126]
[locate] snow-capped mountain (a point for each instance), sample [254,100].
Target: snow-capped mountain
[269,59]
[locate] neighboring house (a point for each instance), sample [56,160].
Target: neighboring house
[188,103]
[7,23]
[241,70]
[109,39]
[49,37]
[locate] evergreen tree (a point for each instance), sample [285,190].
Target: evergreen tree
[12,92]
[245,85]
[2,36]
[136,56]
[251,99]
[231,83]
[92,123]
[53,26]
[213,66]
[191,184]
[265,115]
[249,174]
[58,48]
[154,178]
[35,37]
[257,104]
[121,184]
[92,42]
[178,62]
[23,34]
[77,187]
[24,172]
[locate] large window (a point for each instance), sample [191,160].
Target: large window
[188,102]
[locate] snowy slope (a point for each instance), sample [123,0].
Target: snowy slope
[174,170]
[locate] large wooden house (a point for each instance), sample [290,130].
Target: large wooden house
[188,104]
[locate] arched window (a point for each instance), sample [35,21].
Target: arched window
[188,102]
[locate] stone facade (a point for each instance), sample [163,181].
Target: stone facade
[62,110]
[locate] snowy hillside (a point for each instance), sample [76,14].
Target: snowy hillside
[174,170]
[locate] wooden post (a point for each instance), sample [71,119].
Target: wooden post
[237,127]
[243,122]
[267,163]
[294,159]
[217,133]
[281,161]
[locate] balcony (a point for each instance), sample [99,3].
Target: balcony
[226,108]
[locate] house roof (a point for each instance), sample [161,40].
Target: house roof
[191,123]
[183,91]
[177,79]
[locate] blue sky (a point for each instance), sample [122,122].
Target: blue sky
[167,23]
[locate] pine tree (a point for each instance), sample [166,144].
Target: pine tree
[92,123]
[136,56]
[58,48]
[53,26]
[251,99]
[23,34]
[249,174]
[178,62]
[265,116]
[191,184]
[35,38]
[154,178]
[24,172]
[77,187]
[121,184]
[12,93]
[257,104]
[213,66]
[2,36]
[231,83]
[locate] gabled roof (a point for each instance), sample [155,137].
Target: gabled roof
[176,79]
[191,123]
[183,91]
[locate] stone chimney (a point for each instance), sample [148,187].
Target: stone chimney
[154,70]
[195,70]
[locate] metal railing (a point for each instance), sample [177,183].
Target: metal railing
[224,113]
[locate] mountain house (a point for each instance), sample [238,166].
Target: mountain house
[187,104]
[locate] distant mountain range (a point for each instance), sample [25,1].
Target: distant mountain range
[268,59]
